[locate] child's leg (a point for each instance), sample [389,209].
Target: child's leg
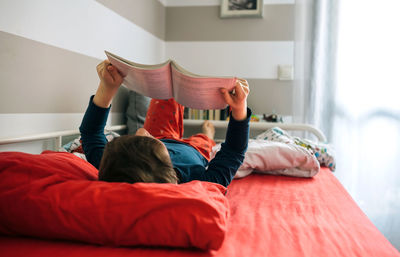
[164,119]
[201,143]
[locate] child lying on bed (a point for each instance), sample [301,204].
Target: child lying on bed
[158,153]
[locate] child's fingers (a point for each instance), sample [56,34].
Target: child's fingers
[242,89]
[116,76]
[101,68]
[243,82]
[246,88]
[239,89]
[103,64]
[227,97]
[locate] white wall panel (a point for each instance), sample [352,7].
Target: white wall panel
[21,124]
[242,59]
[82,26]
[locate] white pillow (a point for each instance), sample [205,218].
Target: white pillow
[276,158]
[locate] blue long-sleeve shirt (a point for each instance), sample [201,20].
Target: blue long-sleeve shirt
[187,161]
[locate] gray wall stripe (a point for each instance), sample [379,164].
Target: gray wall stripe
[148,14]
[38,78]
[202,23]
[54,80]
[270,95]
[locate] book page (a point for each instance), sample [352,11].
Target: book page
[150,80]
[199,92]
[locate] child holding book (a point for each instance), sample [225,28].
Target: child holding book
[158,153]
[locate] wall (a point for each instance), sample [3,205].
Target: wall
[49,50]
[246,47]
[48,56]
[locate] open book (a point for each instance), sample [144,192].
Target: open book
[169,80]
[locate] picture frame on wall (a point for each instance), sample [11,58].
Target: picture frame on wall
[242,8]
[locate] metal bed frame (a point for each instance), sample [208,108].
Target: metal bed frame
[57,136]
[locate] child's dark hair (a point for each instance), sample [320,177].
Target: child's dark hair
[132,158]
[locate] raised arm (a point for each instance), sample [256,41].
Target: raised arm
[95,118]
[110,81]
[227,161]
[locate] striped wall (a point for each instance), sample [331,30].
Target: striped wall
[49,50]
[203,43]
[249,48]
[48,54]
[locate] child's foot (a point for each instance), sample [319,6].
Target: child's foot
[208,129]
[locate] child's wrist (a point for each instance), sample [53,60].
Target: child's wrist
[239,113]
[103,96]
[108,89]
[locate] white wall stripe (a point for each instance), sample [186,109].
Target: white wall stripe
[19,124]
[82,26]
[172,3]
[243,59]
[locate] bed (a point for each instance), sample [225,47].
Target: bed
[269,215]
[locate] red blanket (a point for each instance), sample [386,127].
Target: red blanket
[270,216]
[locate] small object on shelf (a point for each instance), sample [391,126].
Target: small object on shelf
[272,118]
[254,118]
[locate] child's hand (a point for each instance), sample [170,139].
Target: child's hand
[110,81]
[109,75]
[237,99]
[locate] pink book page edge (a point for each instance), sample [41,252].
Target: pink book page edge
[200,92]
[154,83]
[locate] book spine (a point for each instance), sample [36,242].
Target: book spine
[186,113]
[217,115]
[195,114]
[211,117]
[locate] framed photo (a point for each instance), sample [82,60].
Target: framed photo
[242,8]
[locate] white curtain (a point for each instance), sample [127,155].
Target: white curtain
[347,60]
[366,125]
[315,62]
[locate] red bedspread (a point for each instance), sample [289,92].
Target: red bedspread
[270,216]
